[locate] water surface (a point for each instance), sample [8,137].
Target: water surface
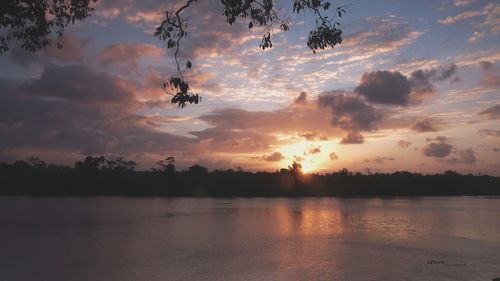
[449,238]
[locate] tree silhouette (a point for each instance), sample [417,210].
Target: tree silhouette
[166,165]
[260,13]
[96,176]
[295,168]
[32,22]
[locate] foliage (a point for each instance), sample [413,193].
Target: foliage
[166,165]
[259,13]
[295,168]
[97,176]
[33,22]
[100,163]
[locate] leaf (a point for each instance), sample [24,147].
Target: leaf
[188,65]
[250,25]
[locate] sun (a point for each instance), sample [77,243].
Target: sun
[309,167]
[312,155]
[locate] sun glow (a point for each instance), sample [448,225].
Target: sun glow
[309,167]
[312,155]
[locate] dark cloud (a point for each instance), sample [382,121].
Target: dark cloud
[384,87]
[332,113]
[379,160]
[422,80]
[439,139]
[301,99]
[438,147]
[81,84]
[466,156]
[489,133]
[424,125]
[312,136]
[73,108]
[492,112]
[73,51]
[333,156]
[352,138]
[349,112]
[403,143]
[314,150]
[393,88]
[288,120]
[275,157]
[247,130]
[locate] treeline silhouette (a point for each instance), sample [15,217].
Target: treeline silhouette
[99,176]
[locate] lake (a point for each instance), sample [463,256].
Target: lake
[106,238]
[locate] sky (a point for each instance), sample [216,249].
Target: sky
[415,85]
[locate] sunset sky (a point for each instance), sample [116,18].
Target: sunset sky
[415,86]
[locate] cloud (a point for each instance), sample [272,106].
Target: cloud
[74,110]
[403,143]
[349,112]
[73,51]
[235,129]
[489,133]
[476,36]
[128,55]
[332,114]
[314,150]
[440,148]
[421,80]
[275,157]
[379,160]
[376,36]
[313,136]
[384,87]
[461,16]
[301,99]
[108,13]
[462,3]
[437,149]
[466,156]
[352,138]
[424,125]
[491,112]
[81,84]
[298,158]
[490,11]
[491,76]
[333,156]
[439,139]
[230,140]
[393,88]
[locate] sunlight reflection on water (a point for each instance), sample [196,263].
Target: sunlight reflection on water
[249,239]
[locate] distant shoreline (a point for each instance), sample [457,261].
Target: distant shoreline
[63,181]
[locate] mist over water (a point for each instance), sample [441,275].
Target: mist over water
[100,238]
